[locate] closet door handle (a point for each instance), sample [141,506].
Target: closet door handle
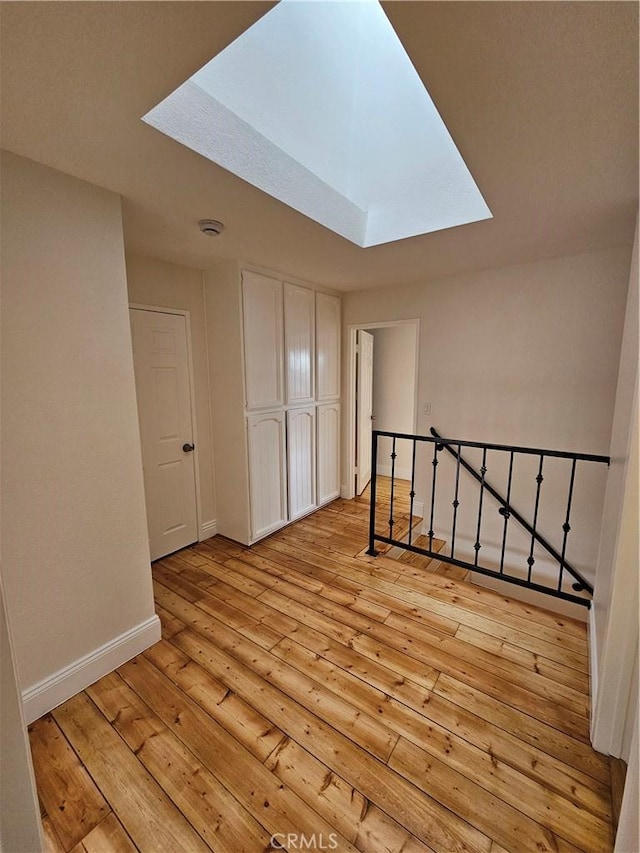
[188,447]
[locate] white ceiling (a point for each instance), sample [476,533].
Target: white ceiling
[326,113]
[541,99]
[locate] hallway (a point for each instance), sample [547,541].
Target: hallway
[302,688]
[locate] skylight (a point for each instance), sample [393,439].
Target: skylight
[319,105]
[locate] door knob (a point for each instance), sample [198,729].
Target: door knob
[188,447]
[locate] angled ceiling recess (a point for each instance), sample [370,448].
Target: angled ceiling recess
[319,105]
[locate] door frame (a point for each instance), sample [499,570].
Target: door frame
[348,490]
[157,309]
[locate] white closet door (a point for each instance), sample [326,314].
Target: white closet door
[328,452]
[299,333]
[262,312]
[267,472]
[301,448]
[328,346]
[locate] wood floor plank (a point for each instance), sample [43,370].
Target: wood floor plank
[427,820]
[481,808]
[549,640]
[70,797]
[148,815]
[412,688]
[303,686]
[364,729]
[573,752]
[170,624]
[546,640]
[247,625]
[570,782]
[434,656]
[453,753]
[52,843]
[519,614]
[346,808]
[241,720]
[219,819]
[107,836]
[529,660]
[343,806]
[275,550]
[559,694]
[359,596]
[271,803]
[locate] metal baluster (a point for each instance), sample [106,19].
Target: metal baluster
[434,462]
[455,504]
[412,493]
[566,526]
[530,558]
[483,471]
[505,511]
[372,506]
[393,474]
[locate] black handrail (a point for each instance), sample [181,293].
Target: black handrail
[513,513]
[534,451]
[453,446]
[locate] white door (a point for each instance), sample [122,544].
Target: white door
[163,388]
[364,402]
[328,417]
[263,334]
[267,472]
[299,347]
[327,347]
[301,459]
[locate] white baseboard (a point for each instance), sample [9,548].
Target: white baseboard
[65,683]
[418,508]
[593,666]
[345,492]
[208,529]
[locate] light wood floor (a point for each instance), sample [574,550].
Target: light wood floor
[365,704]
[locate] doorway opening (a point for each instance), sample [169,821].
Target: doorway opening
[382,392]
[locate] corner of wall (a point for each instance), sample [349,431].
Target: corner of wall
[65,683]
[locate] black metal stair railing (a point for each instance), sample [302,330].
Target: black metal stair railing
[506,510]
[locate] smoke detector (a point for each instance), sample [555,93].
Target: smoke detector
[211,227]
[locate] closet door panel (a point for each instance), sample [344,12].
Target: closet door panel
[263,335]
[301,454]
[299,334]
[328,416]
[327,347]
[267,472]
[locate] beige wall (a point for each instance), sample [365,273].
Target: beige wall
[523,355]
[154,282]
[394,369]
[19,812]
[75,550]
[614,635]
[224,328]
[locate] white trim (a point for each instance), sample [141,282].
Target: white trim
[344,492]
[593,665]
[352,331]
[57,688]
[181,312]
[208,529]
